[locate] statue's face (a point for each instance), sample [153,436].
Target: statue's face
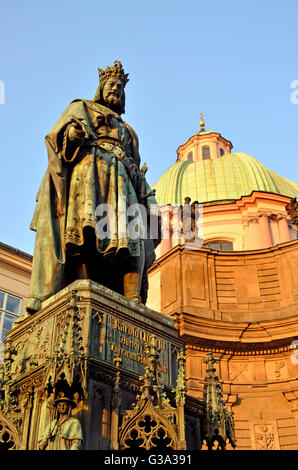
[63,407]
[113,92]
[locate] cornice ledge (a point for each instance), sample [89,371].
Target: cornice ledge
[248,332]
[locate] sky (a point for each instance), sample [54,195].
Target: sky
[234,61]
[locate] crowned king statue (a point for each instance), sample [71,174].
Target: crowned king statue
[94,206]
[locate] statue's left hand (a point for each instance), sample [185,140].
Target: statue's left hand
[76,444]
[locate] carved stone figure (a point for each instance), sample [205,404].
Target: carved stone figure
[87,200]
[292,209]
[264,436]
[64,432]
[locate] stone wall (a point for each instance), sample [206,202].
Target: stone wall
[242,306]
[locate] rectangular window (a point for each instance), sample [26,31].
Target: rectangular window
[220,245]
[10,309]
[293,229]
[206,152]
[7,324]
[13,305]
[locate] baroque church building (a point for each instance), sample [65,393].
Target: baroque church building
[228,293]
[237,294]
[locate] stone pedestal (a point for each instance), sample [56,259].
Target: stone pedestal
[95,340]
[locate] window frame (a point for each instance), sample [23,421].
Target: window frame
[220,242]
[206,148]
[4,312]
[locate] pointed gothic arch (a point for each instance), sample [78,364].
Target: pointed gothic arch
[9,436]
[147,428]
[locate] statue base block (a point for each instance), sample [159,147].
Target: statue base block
[88,337]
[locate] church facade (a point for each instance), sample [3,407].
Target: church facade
[236,292]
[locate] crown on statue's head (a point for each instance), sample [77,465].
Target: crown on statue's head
[114,71]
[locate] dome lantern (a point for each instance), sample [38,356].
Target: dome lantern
[204,145]
[208,172]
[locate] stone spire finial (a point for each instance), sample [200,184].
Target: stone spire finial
[219,420]
[180,389]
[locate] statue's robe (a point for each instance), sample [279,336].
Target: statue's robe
[79,178]
[66,435]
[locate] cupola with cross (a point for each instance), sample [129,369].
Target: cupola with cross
[203,145]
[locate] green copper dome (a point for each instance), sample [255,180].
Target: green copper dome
[219,180]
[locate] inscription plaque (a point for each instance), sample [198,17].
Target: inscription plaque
[123,338]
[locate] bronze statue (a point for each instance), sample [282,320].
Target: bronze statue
[65,431]
[83,204]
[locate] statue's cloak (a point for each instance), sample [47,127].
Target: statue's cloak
[52,202]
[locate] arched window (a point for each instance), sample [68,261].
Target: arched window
[221,152]
[190,157]
[220,245]
[206,152]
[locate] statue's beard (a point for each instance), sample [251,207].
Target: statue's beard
[117,105]
[113,101]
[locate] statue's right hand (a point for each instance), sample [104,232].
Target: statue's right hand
[43,444]
[76,133]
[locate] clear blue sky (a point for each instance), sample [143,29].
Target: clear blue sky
[233,60]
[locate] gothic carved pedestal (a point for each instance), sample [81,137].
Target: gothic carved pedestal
[94,340]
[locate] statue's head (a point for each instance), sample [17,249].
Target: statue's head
[64,403]
[110,92]
[63,407]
